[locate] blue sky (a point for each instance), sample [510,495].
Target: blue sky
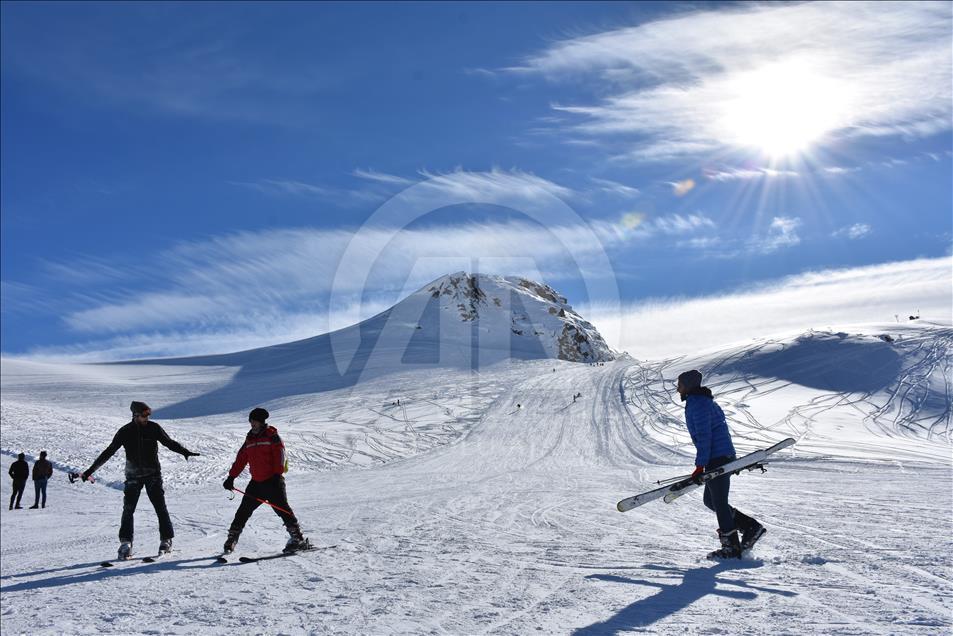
[185,178]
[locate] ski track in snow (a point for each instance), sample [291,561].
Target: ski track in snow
[459,513]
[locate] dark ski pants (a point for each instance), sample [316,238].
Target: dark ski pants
[18,486]
[271,490]
[131,491]
[39,486]
[716,498]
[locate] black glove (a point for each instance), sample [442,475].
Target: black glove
[229,484]
[191,454]
[86,475]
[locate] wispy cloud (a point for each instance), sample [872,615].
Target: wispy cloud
[490,186]
[853,232]
[671,80]
[680,224]
[616,188]
[744,174]
[823,299]
[782,232]
[286,187]
[383,177]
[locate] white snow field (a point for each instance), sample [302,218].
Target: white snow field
[460,512]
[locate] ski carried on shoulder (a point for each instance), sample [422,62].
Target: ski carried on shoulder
[673,491]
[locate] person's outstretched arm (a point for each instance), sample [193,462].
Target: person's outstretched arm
[105,455]
[173,445]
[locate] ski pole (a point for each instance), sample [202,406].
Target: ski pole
[663,482]
[287,512]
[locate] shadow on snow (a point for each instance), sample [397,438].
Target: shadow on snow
[671,598]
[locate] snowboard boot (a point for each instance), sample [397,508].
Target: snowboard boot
[230,542]
[125,550]
[165,546]
[730,547]
[297,541]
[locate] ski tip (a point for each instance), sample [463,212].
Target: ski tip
[221,559]
[106,564]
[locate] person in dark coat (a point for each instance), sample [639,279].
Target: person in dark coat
[42,471]
[709,431]
[19,472]
[141,438]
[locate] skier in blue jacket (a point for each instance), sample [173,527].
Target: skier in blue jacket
[709,430]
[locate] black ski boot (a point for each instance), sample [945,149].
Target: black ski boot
[125,550]
[165,546]
[750,536]
[230,542]
[297,541]
[730,547]
[751,530]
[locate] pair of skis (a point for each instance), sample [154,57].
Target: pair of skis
[671,492]
[148,559]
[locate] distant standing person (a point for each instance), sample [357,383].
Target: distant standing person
[42,471]
[264,454]
[141,438]
[709,431]
[19,472]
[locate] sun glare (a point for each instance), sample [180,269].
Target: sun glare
[782,108]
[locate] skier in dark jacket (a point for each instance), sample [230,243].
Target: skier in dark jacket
[264,454]
[709,430]
[19,472]
[141,438]
[42,471]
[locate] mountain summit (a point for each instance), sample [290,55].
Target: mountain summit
[527,318]
[461,321]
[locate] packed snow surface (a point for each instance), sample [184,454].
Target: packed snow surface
[485,501]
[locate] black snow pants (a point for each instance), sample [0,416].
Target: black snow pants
[131,491]
[18,486]
[271,490]
[716,498]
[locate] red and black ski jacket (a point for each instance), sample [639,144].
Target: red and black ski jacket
[264,454]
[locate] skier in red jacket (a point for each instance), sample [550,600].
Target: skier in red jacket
[264,454]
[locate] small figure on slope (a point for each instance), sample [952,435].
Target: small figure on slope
[709,430]
[19,472]
[264,454]
[42,471]
[141,438]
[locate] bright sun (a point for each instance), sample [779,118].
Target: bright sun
[782,108]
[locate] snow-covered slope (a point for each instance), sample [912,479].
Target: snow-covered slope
[505,523]
[457,322]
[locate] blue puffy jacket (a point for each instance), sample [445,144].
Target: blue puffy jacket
[707,426]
